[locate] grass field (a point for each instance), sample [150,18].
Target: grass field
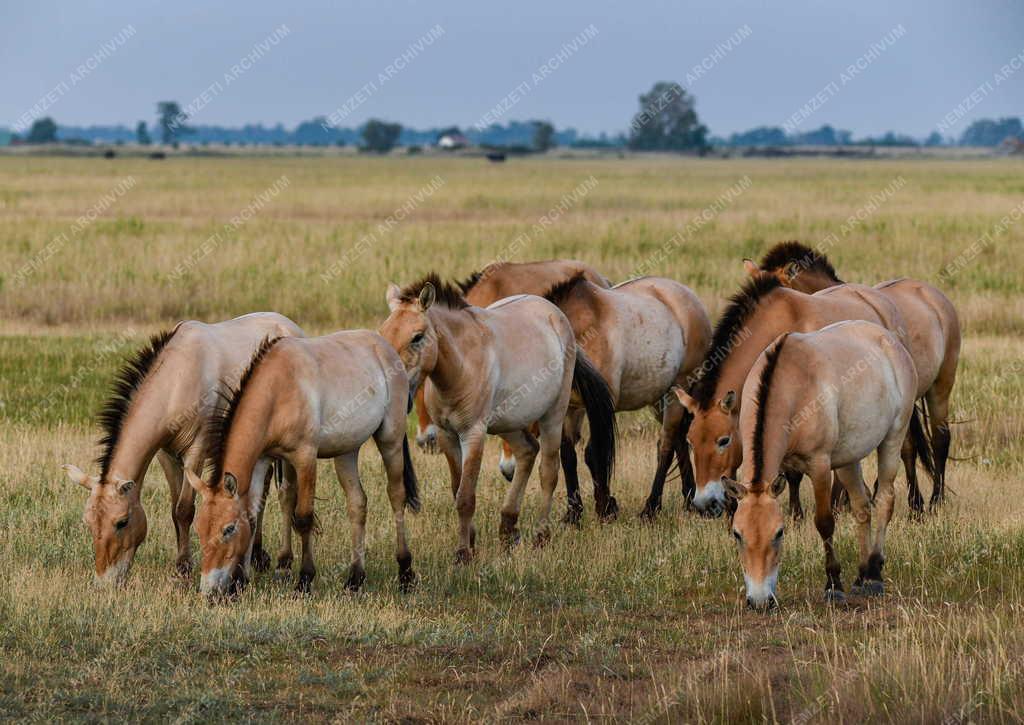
[621,621]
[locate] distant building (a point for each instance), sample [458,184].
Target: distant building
[452,141]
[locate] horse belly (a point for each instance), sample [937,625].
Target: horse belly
[866,416]
[653,353]
[520,402]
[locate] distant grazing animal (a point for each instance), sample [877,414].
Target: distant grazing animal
[761,311]
[300,400]
[643,336]
[814,403]
[933,339]
[161,400]
[498,370]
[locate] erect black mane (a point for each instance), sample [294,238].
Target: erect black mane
[785,253]
[763,388]
[445,293]
[741,306]
[561,290]
[470,282]
[127,381]
[223,415]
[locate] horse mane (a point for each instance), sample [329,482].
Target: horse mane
[447,294]
[785,253]
[764,385]
[558,292]
[741,306]
[223,415]
[126,383]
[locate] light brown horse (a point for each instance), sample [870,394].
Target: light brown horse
[761,311]
[300,400]
[498,370]
[492,283]
[933,339]
[161,401]
[644,336]
[815,403]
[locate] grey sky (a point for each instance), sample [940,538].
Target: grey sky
[332,50]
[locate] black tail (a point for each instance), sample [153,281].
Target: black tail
[597,400]
[922,444]
[412,491]
[278,472]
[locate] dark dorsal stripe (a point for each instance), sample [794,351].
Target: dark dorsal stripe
[560,291]
[223,416]
[771,359]
[446,294]
[741,307]
[127,381]
[470,282]
[785,253]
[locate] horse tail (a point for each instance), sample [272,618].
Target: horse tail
[412,492]
[278,472]
[921,443]
[597,400]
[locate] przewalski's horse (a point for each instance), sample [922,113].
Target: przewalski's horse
[492,283]
[300,400]
[815,403]
[160,403]
[643,336]
[933,339]
[498,370]
[761,311]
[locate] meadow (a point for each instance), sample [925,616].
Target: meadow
[630,621]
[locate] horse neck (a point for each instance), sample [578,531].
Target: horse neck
[144,431]
[775,439]
[250,436]
[453,367]
[764,328]
[814,280]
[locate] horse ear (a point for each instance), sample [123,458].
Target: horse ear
[728,401]
[125,487]
[231,484]
[688,402]
[733,489]
[752,269]
[778,485]
[427,296]
[393,295]
[198,484]
[80,477]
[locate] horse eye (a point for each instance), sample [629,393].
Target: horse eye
[121,523]
[229,530]
[736,535]
[417,338]
[723,441]
[778,536]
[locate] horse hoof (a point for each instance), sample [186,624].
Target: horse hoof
[650,512]
[356,576]
[869,588]
[260,560]
[406,581]
[573,516]
[541,539]
[834,596]
[305,584]
[183,568]
[610,510]
[463,556]
[510,539]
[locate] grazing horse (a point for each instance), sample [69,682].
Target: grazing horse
[761,311]
[300,400]
[498,370]
[815,403]
[492,283]
[161,401]
[933,339]
[643,336]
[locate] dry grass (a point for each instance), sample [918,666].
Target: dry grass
[619,621]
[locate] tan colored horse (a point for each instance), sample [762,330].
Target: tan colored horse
[161,400]
[644,336]
[933,339]
[760,312]
[498,370]
[815,403]
[300,400]
[485,287]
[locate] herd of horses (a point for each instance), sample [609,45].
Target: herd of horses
[803,374]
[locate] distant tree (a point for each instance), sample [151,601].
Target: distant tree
[986,132]
[824,136]
[172,122]
[667,121]
[934,139]
[314,133]
[380,136]
[44,130]
[760,136]
[543,135]
[142,134]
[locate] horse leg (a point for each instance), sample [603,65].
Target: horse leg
[393,454]
[185,511]
[567,452]
[937,400]
[302,518]
[286,496]
[260,558]
[472,443]
[840,497]
[524,447]
[175,475]
[908,452]
[852,480]
[825,523]
[550,443]
[347,468]
[796,509]
[682,447]
[665,451]
[426,431]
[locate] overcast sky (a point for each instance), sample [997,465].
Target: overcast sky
[483,50]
